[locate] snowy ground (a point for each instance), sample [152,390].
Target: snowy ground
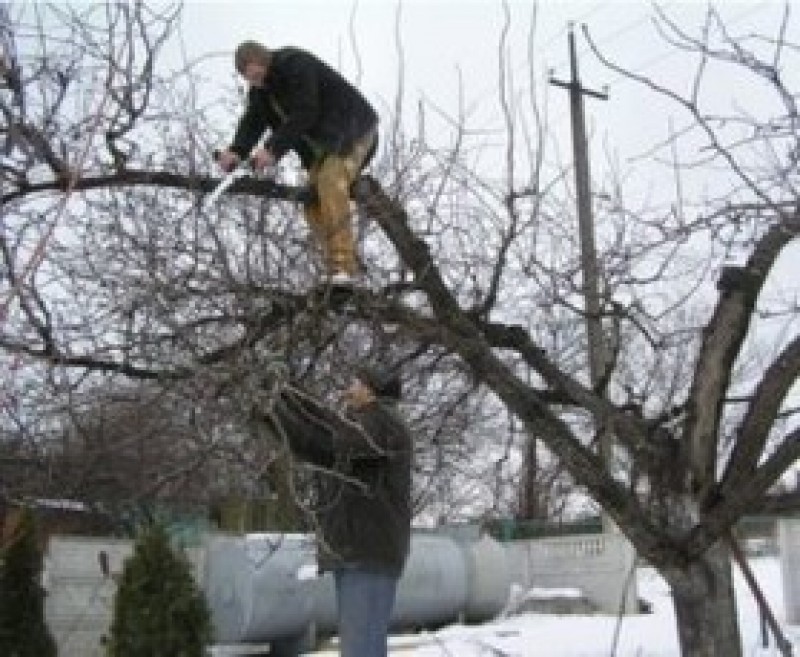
[651,635]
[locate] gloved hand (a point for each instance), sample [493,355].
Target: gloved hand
[227,160]
[262,159]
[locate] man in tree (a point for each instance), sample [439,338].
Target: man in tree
[312,110]
[364,507]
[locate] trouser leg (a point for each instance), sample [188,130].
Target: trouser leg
[364,601]
[330,218]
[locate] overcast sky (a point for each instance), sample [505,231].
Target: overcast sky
[427,44]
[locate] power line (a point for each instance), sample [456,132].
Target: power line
[618,79]
[652,61]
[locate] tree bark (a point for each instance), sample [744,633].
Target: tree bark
[705,607]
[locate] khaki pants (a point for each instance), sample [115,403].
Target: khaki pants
[330,216]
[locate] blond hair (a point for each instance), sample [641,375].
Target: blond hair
[250,51]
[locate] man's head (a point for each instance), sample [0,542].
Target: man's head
[252,61]
[374,382]
[383,380]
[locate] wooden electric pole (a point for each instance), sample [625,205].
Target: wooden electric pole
[589,266]
[591,272]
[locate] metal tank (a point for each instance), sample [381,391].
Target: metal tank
[433,587]
[259,590]
[254,587]
[488,579]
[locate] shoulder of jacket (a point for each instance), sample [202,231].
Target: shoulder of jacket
[290,56]
[255,93]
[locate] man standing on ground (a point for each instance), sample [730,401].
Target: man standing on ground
[312,110]
[363,509]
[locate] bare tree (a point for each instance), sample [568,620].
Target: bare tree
[482,298]
[165,286]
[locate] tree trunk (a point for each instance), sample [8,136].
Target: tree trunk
[705,606]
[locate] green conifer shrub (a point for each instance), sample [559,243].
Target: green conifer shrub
[23,632]
[158,608]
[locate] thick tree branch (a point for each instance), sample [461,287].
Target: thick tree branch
[723,337]
[749,497]
[471,344]
[134,178]
[762,412]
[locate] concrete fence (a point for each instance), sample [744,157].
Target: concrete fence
[600,565]
[789,548]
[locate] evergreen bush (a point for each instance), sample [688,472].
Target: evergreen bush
[23,632]
[158,609]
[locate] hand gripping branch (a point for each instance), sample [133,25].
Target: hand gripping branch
[267,186]
[239,171]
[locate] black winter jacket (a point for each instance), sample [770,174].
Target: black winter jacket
[364,491]
[309,107]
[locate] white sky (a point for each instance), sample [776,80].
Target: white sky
[428,45]
[439,38]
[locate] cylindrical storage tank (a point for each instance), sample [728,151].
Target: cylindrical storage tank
[488,579]
[433,588]
[325,612]
[255,589]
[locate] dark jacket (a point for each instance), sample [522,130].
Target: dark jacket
[308,106]
[364,489]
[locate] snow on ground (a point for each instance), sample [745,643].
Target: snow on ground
[649,635]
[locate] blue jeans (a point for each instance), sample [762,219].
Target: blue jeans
[364,603]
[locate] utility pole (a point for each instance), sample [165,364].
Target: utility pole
[591,275]
[589,266]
